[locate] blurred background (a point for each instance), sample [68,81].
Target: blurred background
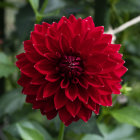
[17,119]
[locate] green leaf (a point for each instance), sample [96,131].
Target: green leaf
[35,5]
[121,132]
[81,127]
[29,133]
[6,66]
[129,114]
[31,129]
[11,102]
[128,6]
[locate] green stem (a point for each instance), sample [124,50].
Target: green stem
[44,5]
[61,131]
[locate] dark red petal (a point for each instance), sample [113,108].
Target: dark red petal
[50,89]
[83,81]
[116,88]
[52,44]
[45,27]
[20,56]
[91,105]
[39,95]
[79,27]
[72,19]
[40,48]
[38,80]
[30,99]
[121,71]
[73,107]
[24,80]
[66,30]
[31,53]
[22,61]
[60,99]
[75,43]
[45,67]
[98,58]
[107,38]
[30,90]
[69,121]
[83,95]
[71,92]
[64,45]
[29,70]
[64,115]
[106,100]
[90,22]
[94,95]
[37,38]
[38,28]
[95,81]
[93,68]
[52,77]
[84,114]
[96,33]
[50,115]
[64,83]
[49,105]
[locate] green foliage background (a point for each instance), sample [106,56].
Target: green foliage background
[17,119]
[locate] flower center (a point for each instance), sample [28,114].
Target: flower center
[71,66]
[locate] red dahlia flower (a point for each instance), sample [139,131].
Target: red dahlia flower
[70,68]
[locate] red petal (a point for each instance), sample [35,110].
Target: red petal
[106,100]
[38,28]
[29,70]
[37,80]
[30,90]
[84,114]
[24,80]
[49,105]
[45,67]
[71,92]
[72,18]
[64,83]
[83,81]
[75,43]
[107,38]
[83,95]
[31,53]
[52,77]
[60,99]
[52,44]
[65,29]
[64,115]
[73,107]
[95,81]
[37,38]
[40,48]
[64,45]
[50,115]
[50,89]
[94,95]
[96,33]
[93,68]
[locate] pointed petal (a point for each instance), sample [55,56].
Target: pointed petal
[73,107]
[64,115]
[71,92]
[84,114]
[50,89]
[60,99]
[50,115]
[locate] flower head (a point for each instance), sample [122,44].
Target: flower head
[70,68]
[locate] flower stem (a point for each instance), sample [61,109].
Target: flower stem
[61,131]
